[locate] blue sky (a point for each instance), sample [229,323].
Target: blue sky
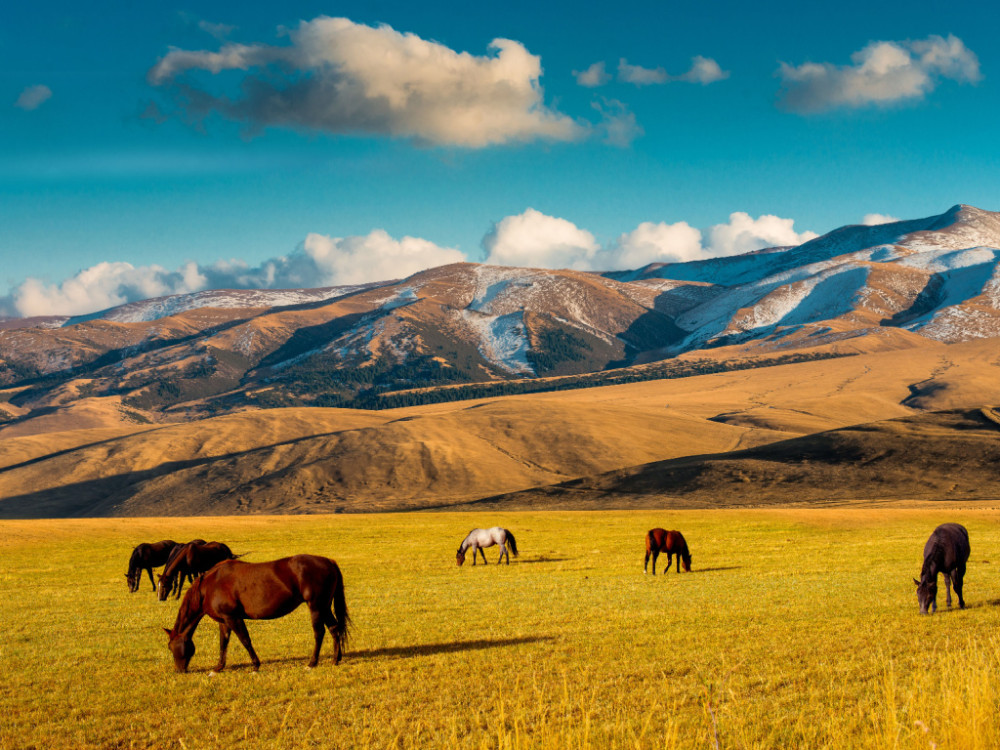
[295,171]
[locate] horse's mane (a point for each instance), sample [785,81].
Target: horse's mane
[189,605]
[133,561]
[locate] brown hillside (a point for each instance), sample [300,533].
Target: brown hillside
[326,460]
[951,455]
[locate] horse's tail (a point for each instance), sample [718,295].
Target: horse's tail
[513,542]
[340,627]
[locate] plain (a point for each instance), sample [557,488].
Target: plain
[796,628]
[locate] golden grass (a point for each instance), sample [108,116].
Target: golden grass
[796,629]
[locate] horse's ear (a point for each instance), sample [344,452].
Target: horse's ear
[916,581]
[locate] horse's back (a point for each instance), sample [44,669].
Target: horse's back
[949,545]
[265,590]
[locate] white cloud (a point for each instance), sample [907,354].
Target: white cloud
[617,126]
[873,219]
[744,234]
[655,243]
[33,97]
[536,240]
[320,261]
[881,73]
[595,75]
[639,75]
[338,76]
[704,70]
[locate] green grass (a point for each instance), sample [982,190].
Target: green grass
[796,629]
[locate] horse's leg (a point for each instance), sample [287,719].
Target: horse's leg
[319,630]
[224,632]
[239,626]
[331,623]
[150,572]
[483,553]
[656,554]
[645,563]
[947,588]
[670,561]
[959,576]
[502,550]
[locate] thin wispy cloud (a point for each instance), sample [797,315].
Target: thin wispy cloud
[703,70]
[33,97]
[337,76]
[881,73]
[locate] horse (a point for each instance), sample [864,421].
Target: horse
[192,559]
[233,591]
[671,542]
[178,582]
[147,556]
[479,538]
[946,551]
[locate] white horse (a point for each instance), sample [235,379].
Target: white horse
[479,538]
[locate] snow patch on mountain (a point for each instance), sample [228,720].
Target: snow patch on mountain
[502,340]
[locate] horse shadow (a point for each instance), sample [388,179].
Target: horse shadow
[543,559]
[402,652]
[713,570]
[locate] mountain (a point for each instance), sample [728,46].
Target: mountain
[446,332]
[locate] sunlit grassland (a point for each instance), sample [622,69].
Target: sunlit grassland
[796,629]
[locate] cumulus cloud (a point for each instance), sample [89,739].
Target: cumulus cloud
[744,234]
[881,73]
[320,261]
[33,97]
[595,75]
[704,70]
[873,219]
[337,76]
[537,240]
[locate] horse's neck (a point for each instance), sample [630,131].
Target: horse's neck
[190,613]
[930,568]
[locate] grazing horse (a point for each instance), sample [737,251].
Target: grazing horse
[671,542]
[234,591]
[191,560]
[947,551]
[179,580]
[146,557]
[479,538]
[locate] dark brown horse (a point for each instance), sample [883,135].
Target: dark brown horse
[947,552]
[234,591]
[193,559]
[178,581]
[671,542]
[147,556]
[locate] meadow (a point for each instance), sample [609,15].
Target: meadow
[796,628]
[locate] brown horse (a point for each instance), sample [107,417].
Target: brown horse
[147,556]
[193,559]
[946,552]
[233,591]
[178,581]
[671,542]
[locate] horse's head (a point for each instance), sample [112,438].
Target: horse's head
[132,578]
[459,557]
[927,596]
[163,586]
[182,649]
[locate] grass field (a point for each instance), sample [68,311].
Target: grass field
[795,629]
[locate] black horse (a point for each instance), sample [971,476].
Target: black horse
[947,552]
[146,557]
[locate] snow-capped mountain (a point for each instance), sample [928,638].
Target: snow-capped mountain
[857,288]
